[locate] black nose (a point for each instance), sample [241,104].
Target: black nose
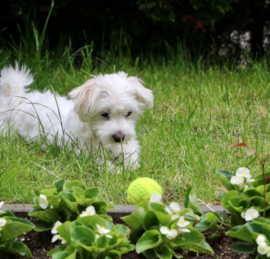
[118,137]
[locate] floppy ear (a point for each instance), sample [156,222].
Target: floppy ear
[144,95]
[83,97]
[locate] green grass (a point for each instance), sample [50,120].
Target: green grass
[198,112]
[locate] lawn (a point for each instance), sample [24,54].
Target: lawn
[198,112]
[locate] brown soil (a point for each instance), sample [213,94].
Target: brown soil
[40,243]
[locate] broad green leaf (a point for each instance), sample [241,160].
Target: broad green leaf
[259,179]
[91,193]
[236,219]
[258,203]
[162,216]
[150,239]
[60,255]
[49,192]
[12,229]
[73,255]
[163,252]
[59,185]
[92,221]
[121,229]
[83,236]
[102,242]
[191,201]
[251,191]
[54,200]
[202,226]
[71,184]
[69,201]
[136,233]
[241,232]
[226,198]
[193,241]
[238,203]
[18,247]
[64,230]
[256,228]
[47,215]
[135,219]
[100,206]
[225,177]
[150,220]
[6,213]
[243,248]
[42,225]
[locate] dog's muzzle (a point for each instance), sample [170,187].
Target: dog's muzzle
[119,136]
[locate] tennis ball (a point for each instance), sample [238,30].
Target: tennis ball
[141,189]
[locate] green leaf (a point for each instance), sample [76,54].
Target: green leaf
[71,184]
[136,233]
[226,198]
[91,193]
[48,215]
[251,191]
[69,201]
[163,252]
[100,206]
[6,213]
[135,219]
[14,228]
[92,221]
[64,230]
[150,220]
[191,201]
[150,239]
[18,247]
[103,242]
[259,179]
[60,255]
[241,232]
[59,185]
[42,225]
[162,216]
[83,236]
[193,241]
[236,219]
[225,177]
[238,203]
[121,229]
[244,248]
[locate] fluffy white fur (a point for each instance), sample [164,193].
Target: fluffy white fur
[97,114]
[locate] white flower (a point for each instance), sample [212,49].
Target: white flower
[155,198]
[58,237]
[243,172]
[251,214]
[235,180]
[243,214]
[175,207]
[1,204]
[175,216]
[90,211]
[168,210]
[2,222]
[103,231]
[56,225]
[262,250]
[260,240]
[170,233]
[43,202]
[182,223]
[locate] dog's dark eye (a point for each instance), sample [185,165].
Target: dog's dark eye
[105,114]
[128,114]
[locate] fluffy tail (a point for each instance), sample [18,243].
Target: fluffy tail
[13,81]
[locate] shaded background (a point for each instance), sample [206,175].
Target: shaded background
[208,28]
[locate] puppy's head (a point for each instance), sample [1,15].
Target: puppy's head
[111,104]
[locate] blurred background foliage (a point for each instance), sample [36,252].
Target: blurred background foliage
[228,29]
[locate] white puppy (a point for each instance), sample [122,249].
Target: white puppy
[102,112]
